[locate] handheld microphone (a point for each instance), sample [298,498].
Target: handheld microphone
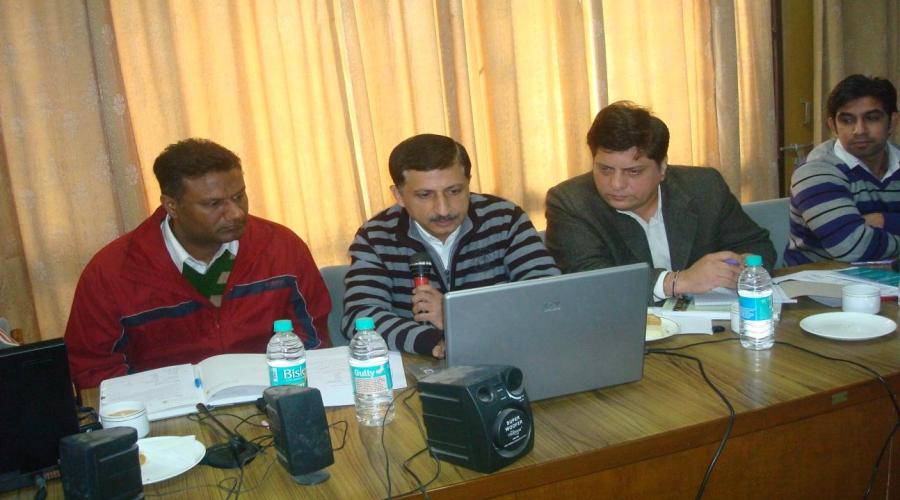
[420,265]
[231,455]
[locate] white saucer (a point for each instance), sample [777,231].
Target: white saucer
[666,329]
[165,457]
[848,325]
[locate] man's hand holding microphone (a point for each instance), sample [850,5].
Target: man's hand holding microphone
[427,302]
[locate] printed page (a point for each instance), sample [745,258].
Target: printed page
[167,392]
[233,378]
[329,372]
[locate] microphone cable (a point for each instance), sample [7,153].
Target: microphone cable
[387,461]
[231,485]
[343,434]
[731,414]
[877,376]
[421,488]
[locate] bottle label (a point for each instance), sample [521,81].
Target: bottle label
[755,306]
[294,374]
[370,377]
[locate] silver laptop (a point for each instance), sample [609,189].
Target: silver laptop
[569,333]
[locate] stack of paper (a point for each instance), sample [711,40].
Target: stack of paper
[828,284]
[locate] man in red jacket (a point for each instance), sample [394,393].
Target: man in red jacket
[199,277]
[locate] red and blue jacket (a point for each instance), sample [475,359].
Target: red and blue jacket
[134,311]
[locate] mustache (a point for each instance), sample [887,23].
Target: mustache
[443,218]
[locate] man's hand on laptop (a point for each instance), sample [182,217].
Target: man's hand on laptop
[428,305]
[438,350]
[719,269]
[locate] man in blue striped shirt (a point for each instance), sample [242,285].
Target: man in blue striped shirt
[472,240]
[845,200]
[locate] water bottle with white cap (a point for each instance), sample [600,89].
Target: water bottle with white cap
[370,370]
[755,299]
[286,356]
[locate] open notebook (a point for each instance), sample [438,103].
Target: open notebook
[232,378]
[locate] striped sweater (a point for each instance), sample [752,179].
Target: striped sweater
[497,244]
[828,201]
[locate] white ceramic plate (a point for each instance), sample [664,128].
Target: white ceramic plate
[666,329]
[848,325]
[165,457]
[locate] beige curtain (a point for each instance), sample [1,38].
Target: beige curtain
[706,70]
[313,95]
[852,36]
[71,180]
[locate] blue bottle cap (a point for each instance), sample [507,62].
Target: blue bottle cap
[283,325]
[753,260]
[365,324]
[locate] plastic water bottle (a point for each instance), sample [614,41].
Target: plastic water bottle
[755,298]
[286,356]
[371,374]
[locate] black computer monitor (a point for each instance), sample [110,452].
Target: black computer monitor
[37,408]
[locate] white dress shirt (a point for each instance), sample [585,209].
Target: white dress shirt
[655,230]
[442,248]
[854,162]
[180,256]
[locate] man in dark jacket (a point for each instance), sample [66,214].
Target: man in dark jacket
[633,207]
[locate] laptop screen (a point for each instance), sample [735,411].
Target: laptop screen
[37,408]
[569,333]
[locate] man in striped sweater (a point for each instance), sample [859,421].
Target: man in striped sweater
[845,201]
[473,240]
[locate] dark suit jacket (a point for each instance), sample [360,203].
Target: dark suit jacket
[700,213]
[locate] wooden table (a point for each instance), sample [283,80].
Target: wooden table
[805,428]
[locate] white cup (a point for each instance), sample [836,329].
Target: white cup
[126,414]
[861,299]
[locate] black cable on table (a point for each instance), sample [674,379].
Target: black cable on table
[731,415]
[343,435]
[421,488]
[886,387]
[387,462]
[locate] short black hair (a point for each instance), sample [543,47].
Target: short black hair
[188,159]
[855,86]
[623,125]
[426,152]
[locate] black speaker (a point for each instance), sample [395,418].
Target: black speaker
[102,464]
[477,416]
[297,420]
